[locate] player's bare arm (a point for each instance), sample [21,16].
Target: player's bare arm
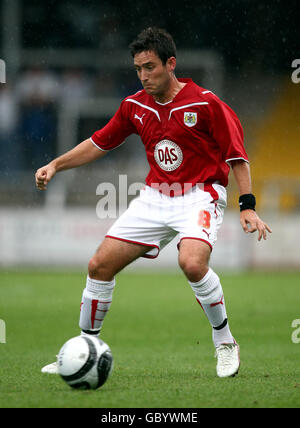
[82,154]
[250,221]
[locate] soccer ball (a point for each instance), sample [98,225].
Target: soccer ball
[85,362]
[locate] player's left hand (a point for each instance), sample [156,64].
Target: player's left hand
[251,223]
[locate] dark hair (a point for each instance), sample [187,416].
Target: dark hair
[156,40]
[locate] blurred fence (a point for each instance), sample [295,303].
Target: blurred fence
[44,238]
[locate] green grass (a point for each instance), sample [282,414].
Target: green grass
[160,340]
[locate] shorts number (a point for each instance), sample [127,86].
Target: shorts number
[204,219]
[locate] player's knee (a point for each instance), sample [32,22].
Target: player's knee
[193,268]
[93,267]
[97,269]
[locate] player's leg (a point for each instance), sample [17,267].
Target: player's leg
[194,257]
[110,258]
[139,231]
[194,260]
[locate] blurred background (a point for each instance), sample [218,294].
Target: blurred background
[67,69]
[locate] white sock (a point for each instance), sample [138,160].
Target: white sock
[209,294]
[96,301]
[222,336]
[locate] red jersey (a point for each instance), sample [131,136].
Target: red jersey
[190,139]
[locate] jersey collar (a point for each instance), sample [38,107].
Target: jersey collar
[188,81]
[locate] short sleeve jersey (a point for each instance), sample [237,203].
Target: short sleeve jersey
[188,140]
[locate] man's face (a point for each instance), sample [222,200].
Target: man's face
[153,74]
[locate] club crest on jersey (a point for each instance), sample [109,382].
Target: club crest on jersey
[190,118]
[168,155]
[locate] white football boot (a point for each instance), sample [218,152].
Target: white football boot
[50,368]
[228,359]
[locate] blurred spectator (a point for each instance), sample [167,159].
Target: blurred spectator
[110,36]
[37,92]
[10,158]
[105,85]
[129,83]
[75,85]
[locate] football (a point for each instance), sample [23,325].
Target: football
[85,362]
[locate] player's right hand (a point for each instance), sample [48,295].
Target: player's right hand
[43,175]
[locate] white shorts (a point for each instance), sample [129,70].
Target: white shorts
[154,219]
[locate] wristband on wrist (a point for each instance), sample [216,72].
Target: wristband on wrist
[247,202]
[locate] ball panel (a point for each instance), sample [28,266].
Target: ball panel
[91,360]
[72,356]
[104,367]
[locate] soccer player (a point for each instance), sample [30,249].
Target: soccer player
[191,139]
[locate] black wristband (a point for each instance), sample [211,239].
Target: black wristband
[247,202]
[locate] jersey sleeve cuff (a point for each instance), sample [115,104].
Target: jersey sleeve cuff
[98,145]
[237,158]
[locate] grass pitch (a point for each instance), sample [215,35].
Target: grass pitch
[160,340]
